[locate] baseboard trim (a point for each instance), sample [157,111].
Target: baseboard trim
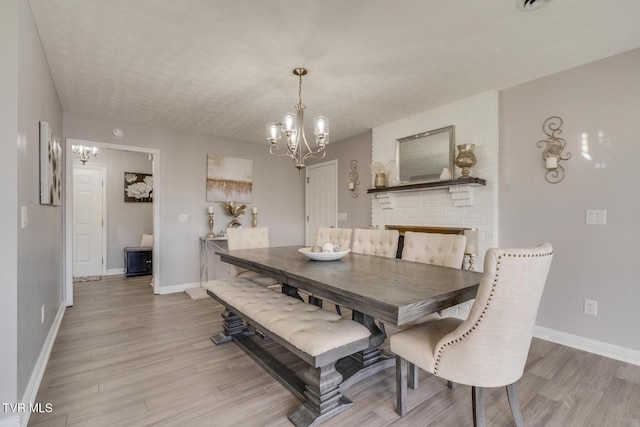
[114,271]
[29,397]
[163,290]
[592,346]
[12,421]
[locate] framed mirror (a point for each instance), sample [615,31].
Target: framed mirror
[423,156]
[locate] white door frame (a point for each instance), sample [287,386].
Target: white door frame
[104,215]
[68,211]
[306,195]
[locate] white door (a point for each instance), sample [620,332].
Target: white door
[321,198]
[88,208]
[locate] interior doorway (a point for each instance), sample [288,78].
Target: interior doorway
[89,232]
[69,216]
[321,198]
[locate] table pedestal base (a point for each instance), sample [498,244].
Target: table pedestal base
[367,362]
[231,325]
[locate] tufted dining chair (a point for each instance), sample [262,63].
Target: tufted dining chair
[490,347]
[335,236]
[375,242]
[437,249]
[249,238]
[434,248]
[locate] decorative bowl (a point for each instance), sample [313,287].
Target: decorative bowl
[323,256]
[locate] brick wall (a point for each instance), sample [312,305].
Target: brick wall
[476,121]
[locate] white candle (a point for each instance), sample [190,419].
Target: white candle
[210,210]
[552,162]
[254,210]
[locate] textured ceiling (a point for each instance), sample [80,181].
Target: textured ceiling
[223,67]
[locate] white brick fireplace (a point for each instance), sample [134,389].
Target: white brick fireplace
[476,121]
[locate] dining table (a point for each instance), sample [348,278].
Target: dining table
[375,288]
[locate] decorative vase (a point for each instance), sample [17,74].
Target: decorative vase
[465,159]
[381,180]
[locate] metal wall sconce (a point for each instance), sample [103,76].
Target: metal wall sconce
[553,147]
[353,179]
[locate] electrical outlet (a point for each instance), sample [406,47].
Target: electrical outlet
[591,307]
[42,314]
[183,218]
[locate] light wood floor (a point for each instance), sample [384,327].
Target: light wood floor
[126,357]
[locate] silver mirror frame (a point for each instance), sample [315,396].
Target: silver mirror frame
[452,148]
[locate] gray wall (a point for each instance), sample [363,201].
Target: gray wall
[357,148]
[126,222]
[31,261]
[278,190]
[599,104]
[9,206]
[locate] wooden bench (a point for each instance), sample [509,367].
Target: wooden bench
[317,336]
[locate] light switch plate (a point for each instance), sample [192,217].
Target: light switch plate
[183,218]
[25,216]
[596,217]
[342,216]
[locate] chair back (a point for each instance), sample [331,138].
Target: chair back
[490,348]
[335,236]
[246,238]
[434,248]
[375,242]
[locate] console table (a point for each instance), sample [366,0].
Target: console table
[206,246]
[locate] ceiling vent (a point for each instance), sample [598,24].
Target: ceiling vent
[531,4]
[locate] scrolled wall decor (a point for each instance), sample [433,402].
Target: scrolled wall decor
[553,148]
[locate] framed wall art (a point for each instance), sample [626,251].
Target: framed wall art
[138,187]
[50,167]
[229,179]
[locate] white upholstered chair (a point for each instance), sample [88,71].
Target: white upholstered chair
[249,238]
[375,242]
[335,236]
[434,248]
[490,347]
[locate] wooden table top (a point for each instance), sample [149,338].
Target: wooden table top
[389,289]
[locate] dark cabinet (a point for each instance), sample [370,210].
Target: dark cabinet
[138,261]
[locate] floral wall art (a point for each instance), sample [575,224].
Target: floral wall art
[229,179]
[50,167]
[138,187]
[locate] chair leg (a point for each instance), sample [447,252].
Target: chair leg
[451,385]
[514,404]
[401,386]
[477,399]
[413,376]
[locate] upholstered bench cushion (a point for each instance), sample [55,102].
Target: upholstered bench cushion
[305,326]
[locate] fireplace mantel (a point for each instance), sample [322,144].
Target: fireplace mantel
[472,181]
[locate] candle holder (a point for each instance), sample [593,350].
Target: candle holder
[472,245]
[211,233]
[255,219]
[553,146]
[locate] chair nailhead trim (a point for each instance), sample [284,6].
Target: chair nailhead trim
[484,310]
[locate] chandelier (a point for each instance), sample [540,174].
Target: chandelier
[293,127]
[83,153]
